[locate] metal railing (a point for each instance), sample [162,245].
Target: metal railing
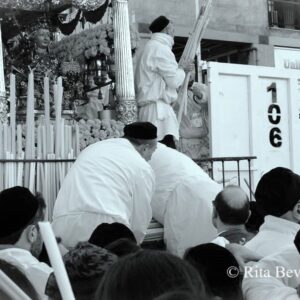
[48,174]
[284,14]
[209,165]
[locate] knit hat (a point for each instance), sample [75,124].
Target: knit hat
[18,207]
[106,233]
[277,192]
[159,24]
[85,265]
[141,130]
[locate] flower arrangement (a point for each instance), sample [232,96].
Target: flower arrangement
[89,43]
[92,131]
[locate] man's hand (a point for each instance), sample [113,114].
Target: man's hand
[188,66]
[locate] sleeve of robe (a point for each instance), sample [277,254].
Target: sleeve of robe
[167,67]
[142,212]
[274,286]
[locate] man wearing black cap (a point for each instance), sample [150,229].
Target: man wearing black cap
[278,201]
[110,181]
[157,77]
[20,239]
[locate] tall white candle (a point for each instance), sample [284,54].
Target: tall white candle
[12,98]
[47,112]
[56,261]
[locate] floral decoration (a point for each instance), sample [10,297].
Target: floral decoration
[89,43]
[92,131]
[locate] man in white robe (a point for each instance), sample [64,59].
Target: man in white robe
[110,181]
[278,199]
[157,78]
[182,200]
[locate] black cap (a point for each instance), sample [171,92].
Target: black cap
[141,130]
[277,192]
[18,207]
[159,24]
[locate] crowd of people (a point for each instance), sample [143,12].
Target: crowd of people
[216,248]
[218,244]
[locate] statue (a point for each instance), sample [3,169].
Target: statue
[194,133]
[30,51]
[42,62]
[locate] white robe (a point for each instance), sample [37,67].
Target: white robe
[275,234]
[157,77]
[274,277]
[109,182]
[182,200]
[38,273]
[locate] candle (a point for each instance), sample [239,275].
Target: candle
[10,288]
[47,113]
[2,78]
[12,98]
[29,148]
[56,261]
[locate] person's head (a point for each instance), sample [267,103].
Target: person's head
[20,212]
[200,91]
[19,279]
[218,269]
[106,233]
[278,194]
[143,136]
[85,265]
[177,295]
[231,207]
[42,38]
[162,24]
[148,274]
[122,247]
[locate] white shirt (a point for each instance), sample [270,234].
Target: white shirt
[157,77]
[182,200]
[274,235]
[278,278]
[109,182]
[37,273]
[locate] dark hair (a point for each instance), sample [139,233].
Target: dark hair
[231,215]
[106,233]
[39,216]
[148,274]
[19,279]
[177,295]
[212,263]
[122,247]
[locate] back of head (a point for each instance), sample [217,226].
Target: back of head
[148,274]
[143,136]
[159,24]
[19,208]
[214,263]
[85,264]
[106,233]
[177,295]
[232,205]
[277,192]
[19,279]
[122,247]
